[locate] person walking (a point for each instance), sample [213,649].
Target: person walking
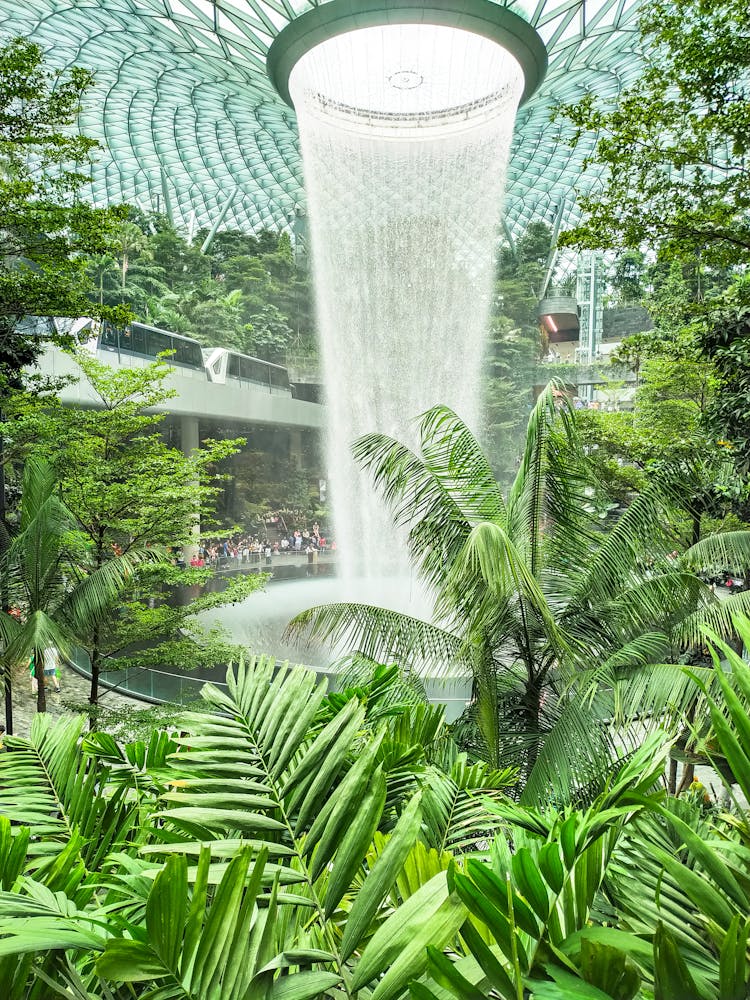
[51,658]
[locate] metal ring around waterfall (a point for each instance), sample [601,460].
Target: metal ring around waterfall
[337,17]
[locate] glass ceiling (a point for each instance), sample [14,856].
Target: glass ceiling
[191,123]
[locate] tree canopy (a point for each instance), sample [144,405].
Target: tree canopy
[674,144]
[47,230]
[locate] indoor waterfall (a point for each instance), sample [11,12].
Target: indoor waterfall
[405,132]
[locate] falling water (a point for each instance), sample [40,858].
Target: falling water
[405,133]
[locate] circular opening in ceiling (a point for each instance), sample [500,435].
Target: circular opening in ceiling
[406,74]
[365,61]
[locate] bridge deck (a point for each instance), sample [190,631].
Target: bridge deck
[197,397]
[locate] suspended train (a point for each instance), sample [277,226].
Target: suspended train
[216,364]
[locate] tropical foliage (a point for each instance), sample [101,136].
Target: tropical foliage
[274,848]
[48,231]
[48,577]
[282,845]
[126,488]
[636,896]
[671,152]
[557,616]
[231,289]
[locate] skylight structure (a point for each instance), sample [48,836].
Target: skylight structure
[192,125]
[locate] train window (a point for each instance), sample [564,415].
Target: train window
[258,372]
[193,354]
[233,366]
[137,338]
[158,342]
[109,335]
[182,351]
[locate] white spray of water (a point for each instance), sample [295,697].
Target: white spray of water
[405,133]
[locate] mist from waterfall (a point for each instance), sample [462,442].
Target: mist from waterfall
[405,136]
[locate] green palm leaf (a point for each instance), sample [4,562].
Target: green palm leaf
[723,550]
[456,818]
[48,784]
[381,635]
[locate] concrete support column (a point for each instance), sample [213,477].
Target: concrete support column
[296,453]
[189,444]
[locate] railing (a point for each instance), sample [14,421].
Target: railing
[156,686]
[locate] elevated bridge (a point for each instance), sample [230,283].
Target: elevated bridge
[235,402]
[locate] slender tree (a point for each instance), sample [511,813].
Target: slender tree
[126,488]
[62,597]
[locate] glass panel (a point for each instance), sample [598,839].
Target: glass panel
[158,342]
[109,336]
[138,341]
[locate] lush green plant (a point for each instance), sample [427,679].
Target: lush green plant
[127,488]
[637,896]
[557,618]
[672,148]
[280,847]
[672,144]
[244,291]
[48,232]
[273,848]
[62,595]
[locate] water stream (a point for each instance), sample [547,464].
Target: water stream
[405,133]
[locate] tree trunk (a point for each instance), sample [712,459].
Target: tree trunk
[95,673]
[96,659]
[688,776]
[41,694]
[696,532]
[688,772]
[4,544]
[531,711]
[8,693]
[672,778]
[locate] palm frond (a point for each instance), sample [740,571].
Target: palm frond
[723,550]
[381,635]
[87,603]
[439,495]
[645,894]
[455,458]
[254,764]
[545,486]
[719,616]
[489,569]
[619,559]
[454,806]
[39,632]
[50,785]
[656,602]
[572,754]
[658,694]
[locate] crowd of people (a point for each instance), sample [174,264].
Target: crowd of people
[240,550]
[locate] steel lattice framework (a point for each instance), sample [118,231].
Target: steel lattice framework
[190,123]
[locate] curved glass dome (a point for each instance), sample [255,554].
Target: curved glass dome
[192,124]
